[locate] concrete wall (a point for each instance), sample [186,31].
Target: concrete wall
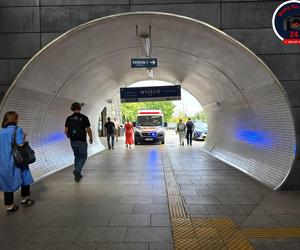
[27,25]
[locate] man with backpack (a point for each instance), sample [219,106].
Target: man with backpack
[189,131]
[76,127]
[110,133]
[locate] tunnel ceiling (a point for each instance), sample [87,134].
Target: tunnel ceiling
[238,91]
[98,55]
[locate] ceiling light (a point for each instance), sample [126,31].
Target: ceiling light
[150,72]
[146,44]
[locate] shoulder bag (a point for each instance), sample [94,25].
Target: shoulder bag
[23,155]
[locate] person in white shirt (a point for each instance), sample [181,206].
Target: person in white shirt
[180,130]
[117,128]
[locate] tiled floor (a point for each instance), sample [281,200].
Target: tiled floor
[122,203]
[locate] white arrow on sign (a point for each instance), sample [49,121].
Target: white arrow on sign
[152,62]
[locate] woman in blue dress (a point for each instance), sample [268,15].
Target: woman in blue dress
[11,177]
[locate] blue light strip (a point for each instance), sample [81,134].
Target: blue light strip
[256,138]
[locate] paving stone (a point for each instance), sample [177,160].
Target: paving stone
[20,218]
[160,199]
[222,186]
[16,235]
[249,208]
[160,220]
[287,220]
[102,234]
[226,209]
[149,234]
[209,192]
[151,209]
[47,246]
[88,220]
[188,192]
[122,246]
[161,246]
[238,219]
[47,220]
[151,192]
[120,209]
[55,235]
[136,200]
[235,200]
[130,220]
[200,200]
[197,209]
[260,221]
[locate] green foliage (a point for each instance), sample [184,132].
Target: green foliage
[200,116]
[181,115]
[130,110]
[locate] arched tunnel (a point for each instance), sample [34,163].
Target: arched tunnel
[250,123]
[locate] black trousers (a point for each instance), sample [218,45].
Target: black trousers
[9,196]
[189,136]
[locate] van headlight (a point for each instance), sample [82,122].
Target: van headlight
[138,129]
[160,130]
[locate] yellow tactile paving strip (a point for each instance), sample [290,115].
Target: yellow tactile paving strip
[276,232]
[208,234]
[199,233]
[212,233]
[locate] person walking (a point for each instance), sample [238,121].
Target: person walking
[117,128]
[13,177]
[77,126]
[128,133]
[110,133]
[180,130]
[189,131]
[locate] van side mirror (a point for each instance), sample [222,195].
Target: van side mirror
[165,124]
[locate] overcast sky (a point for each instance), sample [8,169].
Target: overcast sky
[188,103]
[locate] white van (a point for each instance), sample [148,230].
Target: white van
[150,127]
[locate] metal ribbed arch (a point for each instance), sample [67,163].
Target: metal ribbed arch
[250,123]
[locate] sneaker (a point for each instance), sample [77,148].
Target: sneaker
[109,148]
[76,173]
[77,178]
[113,148]
[27,203]
[12,210]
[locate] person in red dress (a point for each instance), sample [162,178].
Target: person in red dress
[128,133]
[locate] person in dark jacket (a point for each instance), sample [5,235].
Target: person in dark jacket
[76,127]
[189,131]
[12,177]
[110,133]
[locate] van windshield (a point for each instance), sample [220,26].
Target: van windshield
[149,120]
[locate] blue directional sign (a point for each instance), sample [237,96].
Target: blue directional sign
[149,94]
[143,62]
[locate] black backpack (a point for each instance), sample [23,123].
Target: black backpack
[76,131]
[110,127]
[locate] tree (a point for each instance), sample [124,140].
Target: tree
[201,116]
[130,110]
[181,115]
